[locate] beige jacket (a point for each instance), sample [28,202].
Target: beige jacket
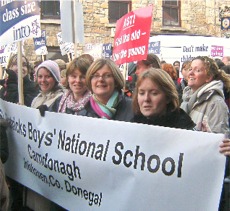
[207,107]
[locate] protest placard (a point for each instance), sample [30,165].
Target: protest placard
[132,36]
[19,20]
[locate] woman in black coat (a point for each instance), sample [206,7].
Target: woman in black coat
[9,90]
[156,101]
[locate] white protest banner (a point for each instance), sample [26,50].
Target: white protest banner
[19,20]
[132,36]
[83,163]
[185,47]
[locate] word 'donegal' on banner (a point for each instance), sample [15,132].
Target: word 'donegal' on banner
[84,163]
[132,36]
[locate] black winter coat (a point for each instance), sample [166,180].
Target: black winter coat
[9,91]
[176,119]
[4,151]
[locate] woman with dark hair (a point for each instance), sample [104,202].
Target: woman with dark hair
[152,60]
[48,78]
[77,94]
[9,90]
[183,82]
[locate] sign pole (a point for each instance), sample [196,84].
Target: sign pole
[20,76]
[1,72]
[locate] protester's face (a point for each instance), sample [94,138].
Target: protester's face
[225,60]
[197,75]
[14,67]
[141,67]
[185,72]
[177,66]
[151,99]
[103,84]
[35,73]
[77,83]
[63,80]
[45,80]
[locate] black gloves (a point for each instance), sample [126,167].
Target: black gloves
[42,109]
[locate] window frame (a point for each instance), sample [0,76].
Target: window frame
[170,6]
[52,6]
[112,19]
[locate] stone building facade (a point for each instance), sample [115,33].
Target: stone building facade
[197,18]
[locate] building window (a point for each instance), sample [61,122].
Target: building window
[117,9]
[171,13]
[50,9]
[55,53]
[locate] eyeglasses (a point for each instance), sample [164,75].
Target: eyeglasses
[104,77]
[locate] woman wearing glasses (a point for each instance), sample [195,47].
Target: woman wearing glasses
[105,81]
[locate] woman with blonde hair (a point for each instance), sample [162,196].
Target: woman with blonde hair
[204,101]
[105,81]
[203,98]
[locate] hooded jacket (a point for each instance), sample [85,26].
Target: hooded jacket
[207,107]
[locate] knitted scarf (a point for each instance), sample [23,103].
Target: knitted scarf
[105,111]
[68,102]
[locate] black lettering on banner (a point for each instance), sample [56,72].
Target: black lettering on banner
[157,166]
[71,170]
[40,137]
[154,163]
[17,126]
[93,198]
[81,147]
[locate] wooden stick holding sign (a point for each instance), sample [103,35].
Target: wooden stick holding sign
[20,75]
[1,72]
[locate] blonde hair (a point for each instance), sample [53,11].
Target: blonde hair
[213,70]
[97,65]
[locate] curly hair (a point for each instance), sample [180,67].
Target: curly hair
[213,70]
[170,69]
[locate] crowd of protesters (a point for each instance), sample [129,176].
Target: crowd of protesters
[194,95]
